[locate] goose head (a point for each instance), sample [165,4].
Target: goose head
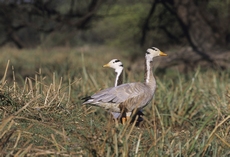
[153,52]
[115,64]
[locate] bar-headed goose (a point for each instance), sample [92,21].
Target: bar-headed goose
[130,96]
[117,65]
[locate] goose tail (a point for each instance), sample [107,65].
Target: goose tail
[87,99]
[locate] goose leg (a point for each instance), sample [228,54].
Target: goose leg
[123,120]
[126,118]
[123,116]
[128,115]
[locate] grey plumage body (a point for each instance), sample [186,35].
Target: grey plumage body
[126,96]
[130,96]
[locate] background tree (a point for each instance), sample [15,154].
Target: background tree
[204,24]
[24,22]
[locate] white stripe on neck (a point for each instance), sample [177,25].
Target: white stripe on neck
[148,68]
[118,71]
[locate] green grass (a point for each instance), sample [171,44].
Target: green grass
[42,115]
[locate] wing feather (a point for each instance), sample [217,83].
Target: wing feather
[129,95]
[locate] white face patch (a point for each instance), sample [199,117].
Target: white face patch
[151,53]
[118,66]
[115,64]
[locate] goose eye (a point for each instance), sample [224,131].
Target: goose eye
[148,52]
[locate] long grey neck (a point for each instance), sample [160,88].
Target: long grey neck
[149,78]
[119,78]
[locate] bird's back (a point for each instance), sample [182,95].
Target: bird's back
[129,96]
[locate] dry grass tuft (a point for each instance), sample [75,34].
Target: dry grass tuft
[42,115]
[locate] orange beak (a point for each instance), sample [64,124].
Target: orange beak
[163,54]
[106,66]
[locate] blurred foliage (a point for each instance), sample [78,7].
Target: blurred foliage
[121,25]
[115,23]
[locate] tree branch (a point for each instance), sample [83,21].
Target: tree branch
[145,26]
[185,27]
